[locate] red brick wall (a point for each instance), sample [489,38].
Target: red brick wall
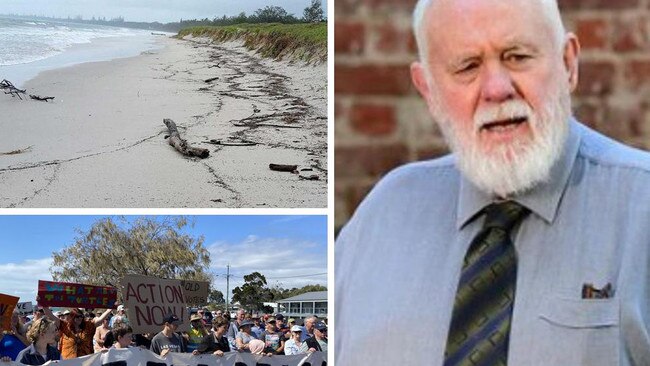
[381,121]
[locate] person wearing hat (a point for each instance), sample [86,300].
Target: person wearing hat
[167,340]
[76,333]
[119,317]
[234,327]
[244,336]
[282,327]
[293,345]
[318,342]
[273,340]
[196,332]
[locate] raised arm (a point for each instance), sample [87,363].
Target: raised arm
[99,319]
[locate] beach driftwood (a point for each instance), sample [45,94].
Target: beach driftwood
[283,167]
[210,79]
[10,88]
[309,177]
[38,97]
[181,145]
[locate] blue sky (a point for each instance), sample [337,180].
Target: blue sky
[283,248]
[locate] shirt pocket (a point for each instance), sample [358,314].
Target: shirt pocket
[581,331]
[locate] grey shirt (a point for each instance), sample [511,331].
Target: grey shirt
[161,342]
[398,261]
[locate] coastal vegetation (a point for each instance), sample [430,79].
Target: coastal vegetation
[301,41]
[270,14]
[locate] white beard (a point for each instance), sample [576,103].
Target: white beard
[511,169]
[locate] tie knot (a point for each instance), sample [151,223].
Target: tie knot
[504,215]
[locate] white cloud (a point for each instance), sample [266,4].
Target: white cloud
[275,258]
[21,279]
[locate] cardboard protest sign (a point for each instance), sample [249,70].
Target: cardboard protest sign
[7,305]
[75,295]
[25,307]
[149,299]
[196,292]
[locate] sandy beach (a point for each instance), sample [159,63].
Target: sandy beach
[101,142]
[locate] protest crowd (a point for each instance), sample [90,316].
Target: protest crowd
[71,333]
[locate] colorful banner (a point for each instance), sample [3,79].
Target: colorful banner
[149,299]
[75,295]
[25,307]
[196,292]
[142,357]
[7,306]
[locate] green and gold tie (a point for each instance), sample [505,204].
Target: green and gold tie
[480,322]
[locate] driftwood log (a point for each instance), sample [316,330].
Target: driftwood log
[211,79]
[283,167]
[10,88]
[38,97]
[181,145]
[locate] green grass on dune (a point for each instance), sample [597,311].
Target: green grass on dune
[307,42]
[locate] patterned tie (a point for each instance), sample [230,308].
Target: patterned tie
[480,322]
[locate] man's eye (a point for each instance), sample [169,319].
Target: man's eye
[517,57]
[466,68]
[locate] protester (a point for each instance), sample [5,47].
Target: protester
[234,328]
[207,317]
[123,336]
[77,333]
[293,345]
[318,342]
[273,340]
[100,333]
[215,342]
[40,335]
[257,328]
[37,315]
[109,339]
[15,339]
[167,340]
[196,333]
[244,336]
[281,327]
[143,340]
[308,328]
[120,316]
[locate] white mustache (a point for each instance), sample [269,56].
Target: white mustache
[510,109]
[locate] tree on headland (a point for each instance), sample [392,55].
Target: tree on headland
[314,12]
[272,14]
[147,246]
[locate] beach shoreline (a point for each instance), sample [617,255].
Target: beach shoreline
[101,142]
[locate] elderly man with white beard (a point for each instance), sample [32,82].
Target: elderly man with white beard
[530,243]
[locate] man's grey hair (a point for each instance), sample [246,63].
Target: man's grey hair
[549,7]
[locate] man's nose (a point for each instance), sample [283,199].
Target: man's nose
[497,85]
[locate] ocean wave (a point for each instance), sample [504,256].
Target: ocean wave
[33,41]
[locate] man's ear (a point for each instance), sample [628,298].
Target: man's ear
[419,77]
[570,57]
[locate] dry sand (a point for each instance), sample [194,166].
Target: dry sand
[101,142]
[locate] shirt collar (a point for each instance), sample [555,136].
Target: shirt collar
[31,349]
[543,200]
